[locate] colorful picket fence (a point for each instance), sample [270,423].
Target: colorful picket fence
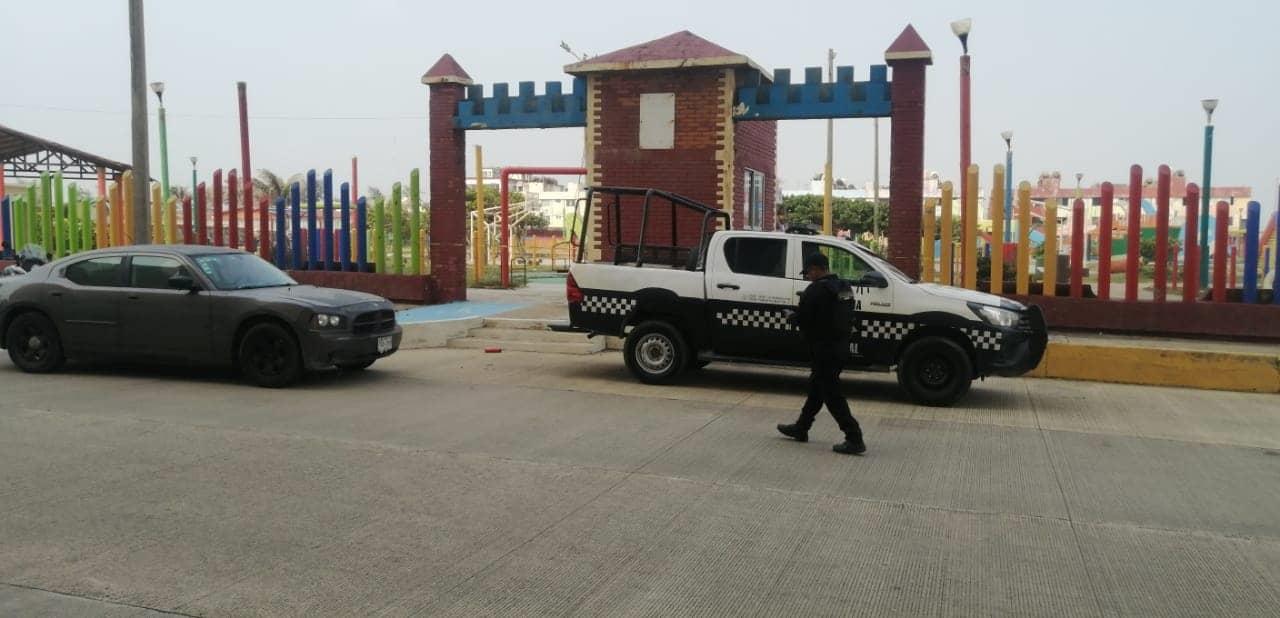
[956,263]
[311,236]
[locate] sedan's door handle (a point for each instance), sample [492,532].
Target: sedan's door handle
[133,297]
[55,294]
[729,286]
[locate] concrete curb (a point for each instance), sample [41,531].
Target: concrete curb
[1153,366]
[437,334]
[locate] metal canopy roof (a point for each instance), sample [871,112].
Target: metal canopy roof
[26,156]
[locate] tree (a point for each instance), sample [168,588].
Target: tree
[846,214]
[270,184]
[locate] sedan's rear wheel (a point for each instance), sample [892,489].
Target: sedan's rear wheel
[34,345]
[269,356]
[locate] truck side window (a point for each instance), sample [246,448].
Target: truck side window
[765,257]
[844,264]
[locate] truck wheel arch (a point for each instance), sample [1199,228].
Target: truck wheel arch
[938,329]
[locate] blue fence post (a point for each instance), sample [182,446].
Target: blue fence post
[344,212]
[281,223]
[362,236]
[295,224]
[6,219]
[1251,228]
[328,220]
[313,238]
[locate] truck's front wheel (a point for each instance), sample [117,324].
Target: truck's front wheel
[935,371]
[656,352]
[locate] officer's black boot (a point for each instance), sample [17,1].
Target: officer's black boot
[851,446]
[795,432]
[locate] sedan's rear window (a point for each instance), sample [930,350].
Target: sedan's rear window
[100,272]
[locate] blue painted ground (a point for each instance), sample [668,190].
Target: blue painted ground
[454,311]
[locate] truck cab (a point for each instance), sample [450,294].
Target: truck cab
[727,299]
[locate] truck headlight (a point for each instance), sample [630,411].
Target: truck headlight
[326,320]
[996,316]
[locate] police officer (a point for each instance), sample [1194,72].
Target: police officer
[826,320]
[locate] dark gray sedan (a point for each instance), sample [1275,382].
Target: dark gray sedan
[193,305]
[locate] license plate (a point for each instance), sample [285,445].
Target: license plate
[384,344]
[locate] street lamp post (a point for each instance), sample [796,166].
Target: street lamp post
[1008,184]
[158,88]
[961,29]
[1209,105]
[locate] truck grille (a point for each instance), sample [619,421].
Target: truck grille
[381,321]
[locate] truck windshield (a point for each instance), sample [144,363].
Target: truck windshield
[881,263]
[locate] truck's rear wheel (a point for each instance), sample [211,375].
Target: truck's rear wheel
[656,352]
[935,371]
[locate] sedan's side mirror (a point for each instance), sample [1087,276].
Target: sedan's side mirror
[873,279]
[184,282]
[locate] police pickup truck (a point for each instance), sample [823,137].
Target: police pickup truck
[718,295]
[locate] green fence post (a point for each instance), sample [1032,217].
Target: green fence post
[46,211]
[73,219]
[29,219]
[379,237]
[397,231]
[59,246]
[86,225]
[415,223]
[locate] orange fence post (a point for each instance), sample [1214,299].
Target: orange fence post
[969,235]
[1024,239]
[927,242]
[996,212]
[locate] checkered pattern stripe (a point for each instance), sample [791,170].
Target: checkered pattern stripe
[754,318]
[984,339]
[608,305]
[891,330]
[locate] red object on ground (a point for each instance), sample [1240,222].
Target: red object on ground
[1163,179]
[1191,280]
[492,350]
[1220,215]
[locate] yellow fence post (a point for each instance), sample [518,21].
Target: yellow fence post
[115,223]
[103,240]
[996,212]
[126,193]
[171,221]
[1024,238]
[947,268]
[969,238]
[927,241]
[1050,247]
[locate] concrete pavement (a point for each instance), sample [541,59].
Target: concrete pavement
[450,482]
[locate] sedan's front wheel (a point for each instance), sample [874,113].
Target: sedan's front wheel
[34,345]
[269,356]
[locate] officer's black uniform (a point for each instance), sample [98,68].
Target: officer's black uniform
[825,318]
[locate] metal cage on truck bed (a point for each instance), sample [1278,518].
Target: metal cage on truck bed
[642,252]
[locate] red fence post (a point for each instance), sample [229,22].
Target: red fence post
[202,215]
[1220,215]
[1077,247]
[233,210]
[1173,265]
[217,207]
[1190,255]
[1134,235]
[1163,178]
[1104,241]
[186,221]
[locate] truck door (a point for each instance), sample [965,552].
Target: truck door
[879,329]
[749,295]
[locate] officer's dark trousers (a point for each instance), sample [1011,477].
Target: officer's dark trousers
[824,388]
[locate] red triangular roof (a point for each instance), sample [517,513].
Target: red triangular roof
[446,70]
[908,46]
[677,50]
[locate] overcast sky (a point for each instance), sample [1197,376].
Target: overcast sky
[1087,86]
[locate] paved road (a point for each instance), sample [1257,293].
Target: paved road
[455,483]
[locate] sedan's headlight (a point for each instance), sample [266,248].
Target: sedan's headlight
[996,316]
[325,320]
